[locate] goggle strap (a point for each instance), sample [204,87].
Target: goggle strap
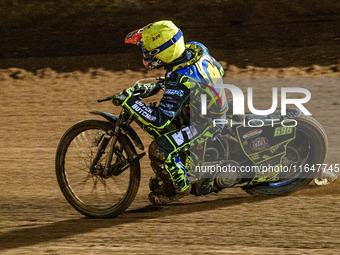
[167,44]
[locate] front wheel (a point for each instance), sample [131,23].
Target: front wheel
[81,174]
[305,152]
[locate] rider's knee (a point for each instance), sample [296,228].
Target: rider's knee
[156,153]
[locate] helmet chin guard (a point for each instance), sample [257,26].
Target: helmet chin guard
[154,63]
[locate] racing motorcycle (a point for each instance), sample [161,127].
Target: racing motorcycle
[98,167]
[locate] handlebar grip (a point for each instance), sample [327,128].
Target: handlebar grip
[106,99]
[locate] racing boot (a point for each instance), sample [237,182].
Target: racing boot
[164,194]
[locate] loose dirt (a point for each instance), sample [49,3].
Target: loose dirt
[36,109]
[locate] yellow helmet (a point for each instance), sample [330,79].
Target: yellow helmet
[155,35]
[161,41]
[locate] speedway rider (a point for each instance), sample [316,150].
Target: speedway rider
[190,72]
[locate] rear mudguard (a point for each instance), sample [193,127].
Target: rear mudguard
[291,113]
[127,129]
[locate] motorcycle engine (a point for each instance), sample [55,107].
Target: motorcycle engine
[230,177]
[226,177]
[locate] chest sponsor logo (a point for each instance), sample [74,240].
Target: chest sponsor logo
[172,83]
[174,92]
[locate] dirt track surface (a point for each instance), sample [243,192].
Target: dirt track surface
[36,219]
[71,45]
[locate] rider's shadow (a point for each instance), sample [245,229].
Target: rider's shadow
[63,229]
[155,211]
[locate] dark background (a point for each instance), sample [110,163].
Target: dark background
[50,33]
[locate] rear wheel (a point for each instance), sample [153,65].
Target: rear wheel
[81,173]
[308,149]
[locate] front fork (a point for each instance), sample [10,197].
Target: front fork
[103,139]
[112,149]
[114,136]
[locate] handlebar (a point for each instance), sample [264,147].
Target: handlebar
[106,99]
[116,101]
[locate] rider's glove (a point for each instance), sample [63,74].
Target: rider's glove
[129,91]
[119,98]
[143,90]
[139,89]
